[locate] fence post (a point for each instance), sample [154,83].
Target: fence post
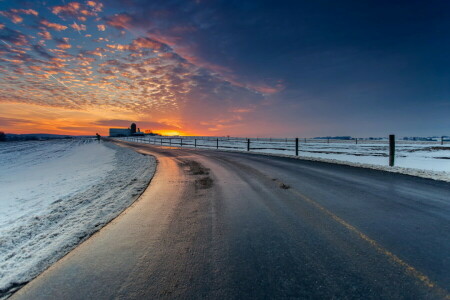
[248,144]
[296,146]
[356,141]
[161,141]
[217,144]
[391,150]
[195,143]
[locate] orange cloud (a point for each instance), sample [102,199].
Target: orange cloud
[14,14]
[45,35]
[266,89]
[78,27]
[91,3]
[25,11]
[118,47]
[101,27]
[146,43]
[55,26]
[70,8]
[119,21]
[97,6]
[64,46]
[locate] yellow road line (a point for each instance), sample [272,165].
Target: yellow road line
[408,268]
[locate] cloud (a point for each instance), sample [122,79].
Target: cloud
[45,34]
[78,27]
[168,24]
[96,6]
[42,51]
[77,10]
[119,21]
[140,44]
[78,128]
[101,27]
[13,36]
[266,89]
[70,9]
[55,26]
[62,43]
[12,121]
[144,76]
[146,43]
[141,124]
[25,11]
[14,14]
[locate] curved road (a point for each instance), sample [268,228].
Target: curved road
[227,225]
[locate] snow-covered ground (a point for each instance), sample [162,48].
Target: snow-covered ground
[54,194]
[425,159]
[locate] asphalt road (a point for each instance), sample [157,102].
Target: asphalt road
[226,225]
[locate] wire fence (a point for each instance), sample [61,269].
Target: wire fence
[388,147]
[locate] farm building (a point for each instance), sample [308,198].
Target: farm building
[117,132]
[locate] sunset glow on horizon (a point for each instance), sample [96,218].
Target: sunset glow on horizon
[258,68]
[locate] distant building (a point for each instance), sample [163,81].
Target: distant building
[118,132]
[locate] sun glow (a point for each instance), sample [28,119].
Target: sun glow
[170,132]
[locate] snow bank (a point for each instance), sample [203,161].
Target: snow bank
[58,193]
[430,174]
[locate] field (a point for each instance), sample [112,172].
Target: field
[55,194]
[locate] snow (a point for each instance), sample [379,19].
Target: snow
[57,193]
[424,159]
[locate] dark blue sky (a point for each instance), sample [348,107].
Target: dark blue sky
[292,68]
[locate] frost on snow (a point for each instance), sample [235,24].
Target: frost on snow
[55,194]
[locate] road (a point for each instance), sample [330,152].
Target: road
[227,225]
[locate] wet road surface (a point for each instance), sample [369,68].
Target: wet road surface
[227,225]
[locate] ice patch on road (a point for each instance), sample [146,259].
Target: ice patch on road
[60,193]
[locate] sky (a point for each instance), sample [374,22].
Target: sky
[239,68]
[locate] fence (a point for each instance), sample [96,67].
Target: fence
[295,146]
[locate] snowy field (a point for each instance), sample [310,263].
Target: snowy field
[55,194]
[425,159]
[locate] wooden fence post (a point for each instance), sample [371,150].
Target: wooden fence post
[217,144]
[296,146]
[391,150]
[161,141]
[181,142]
[248,144]
[356,141]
